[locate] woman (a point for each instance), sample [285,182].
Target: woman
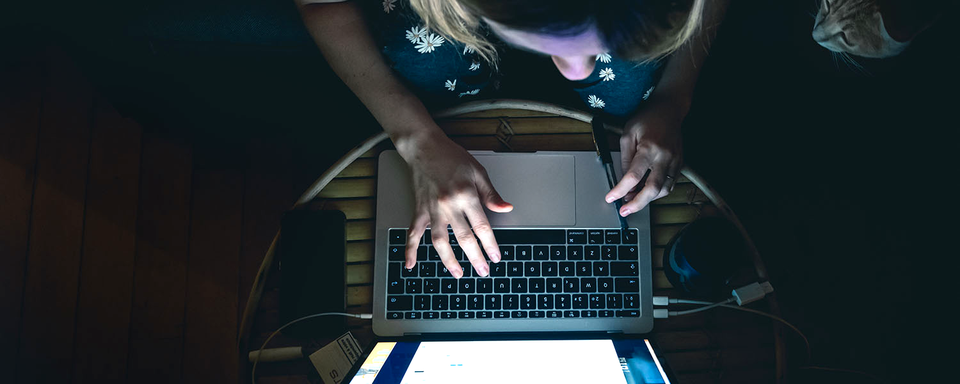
[649,52]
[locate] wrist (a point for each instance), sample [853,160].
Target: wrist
[411,142]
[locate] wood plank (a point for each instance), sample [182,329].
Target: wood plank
[360,273]
[494,113]
[349,188]
[359,295]
[683,193]
[56,231]
[210,333]
[109,248]
[520,126]
[160,274]
[360,168]
[673,214]
[21,90]
[360,251]
[354,209]
[360,230]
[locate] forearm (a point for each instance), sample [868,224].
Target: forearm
[341,33]
[682,69]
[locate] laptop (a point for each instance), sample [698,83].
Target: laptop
[567,265]
[604,360]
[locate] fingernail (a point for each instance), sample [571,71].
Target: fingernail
[609,200]
[624,212]
[495,257]
[483,271]
[458,273]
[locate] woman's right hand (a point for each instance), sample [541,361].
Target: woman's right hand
[452,188]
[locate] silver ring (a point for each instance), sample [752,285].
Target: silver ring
[669,177]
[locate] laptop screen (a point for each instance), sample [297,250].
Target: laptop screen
[512,361]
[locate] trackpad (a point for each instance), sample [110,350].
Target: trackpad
[541,188]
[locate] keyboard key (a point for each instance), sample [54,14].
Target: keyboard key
[442,271]
[576,236]
[431,285]
[633,313]
[591,252]
[567,269]
[595,236]
[433,254]
[531,269]
[458,302]
[597,301]
[397,253]
[394,315]
[606,313]
[601,268]
[398,236]
[431,315]
[448,315]
[571,285]
[413,285]
[448,285]
[501,315]
[465,315]
[575,252]
[554,314]
[541,253]
[422,253]
[493,302]
[523,252]
[421,303]
[501,285]
[458,253]
[427,269]
[528,301]
[467,269]
[475,302]
[613,236]
[544,301]
[558,252]
[399,303]
[605,284]
[631,301]
[627,284]
[530,236]
[584,269]
[548,268]
[589,314]
[498,269]
[484,315]
[394,283]
[484,285]
[440,302]
[412,272]
[506,252]
[468,285]
[614,301]
[518,315]
[537,285]
[561,301]
[630,236]
[571,313]
[426,238]
[511,302]
[608,252]
[515,269]
[588,284]
[518,285]
[624,268]
[579,301]
[627,252]
[554,285]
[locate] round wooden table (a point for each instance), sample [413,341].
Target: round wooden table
[719,345]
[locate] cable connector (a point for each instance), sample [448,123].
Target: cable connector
[661,301]
[660,313]
[752,292]
[365,316]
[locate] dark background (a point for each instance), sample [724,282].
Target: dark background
[842,176]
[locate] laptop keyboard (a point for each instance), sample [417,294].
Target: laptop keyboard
[544,273]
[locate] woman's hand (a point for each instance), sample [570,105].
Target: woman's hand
[452,188]
[651,140]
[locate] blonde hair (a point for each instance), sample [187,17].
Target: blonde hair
[657,29]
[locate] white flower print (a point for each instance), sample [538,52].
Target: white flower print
[468,49]
[429,43]
[388,5]
[607,74]
[451,85]
[595,102]
[475,66]
[604,57]
[416,34]
[646,95]
[473,92]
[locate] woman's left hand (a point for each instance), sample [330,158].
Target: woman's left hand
[651,140]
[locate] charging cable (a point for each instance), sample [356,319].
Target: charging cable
[253,372]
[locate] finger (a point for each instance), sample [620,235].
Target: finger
[483,230]
[468,244]
[647,193]
[628,149]
[417,227]
[632,176]
[670,181]
[441,242]
[491,198]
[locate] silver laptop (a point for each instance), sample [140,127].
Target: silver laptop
[567,265]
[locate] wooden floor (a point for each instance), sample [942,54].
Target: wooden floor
[126,253]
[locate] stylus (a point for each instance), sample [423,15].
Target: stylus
[603,151]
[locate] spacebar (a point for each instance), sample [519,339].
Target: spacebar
[530,236]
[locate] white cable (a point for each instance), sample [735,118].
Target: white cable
[253,373]
[704,308]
